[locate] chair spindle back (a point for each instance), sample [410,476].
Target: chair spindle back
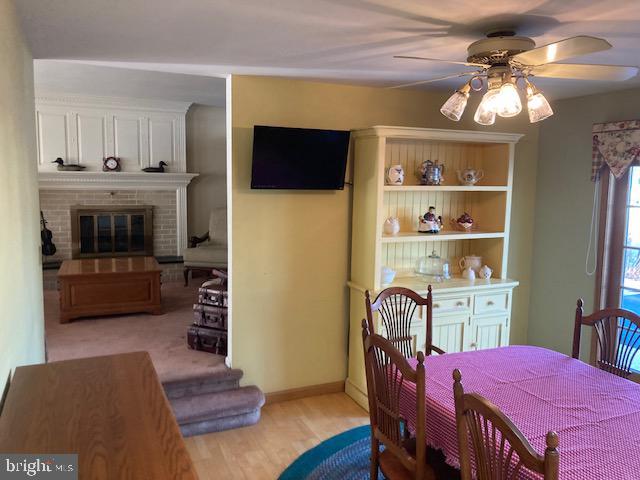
[618,338]
[495,446]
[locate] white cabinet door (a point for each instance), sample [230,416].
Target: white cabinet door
[489,332]
[162,140]
[91,130]
[130,141]
[451,333]
[54,131]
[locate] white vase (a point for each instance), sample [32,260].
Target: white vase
[391,226]
[395,175]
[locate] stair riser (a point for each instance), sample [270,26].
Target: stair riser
[180,391]
[220,424]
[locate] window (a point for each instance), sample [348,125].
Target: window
[629,289]
[619,255]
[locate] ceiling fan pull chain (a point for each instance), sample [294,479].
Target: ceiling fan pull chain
[593,233]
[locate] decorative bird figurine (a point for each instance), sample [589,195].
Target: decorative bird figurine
[68,168]
[158,169]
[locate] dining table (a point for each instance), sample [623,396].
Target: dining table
[595,413]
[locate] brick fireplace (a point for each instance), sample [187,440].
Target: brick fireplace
[163,194]
[57,205]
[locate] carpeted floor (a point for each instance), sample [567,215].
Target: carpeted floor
[163,336]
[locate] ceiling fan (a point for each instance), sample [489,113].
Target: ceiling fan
[502,59]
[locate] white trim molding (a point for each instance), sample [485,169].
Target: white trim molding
[121,103]
[113,180]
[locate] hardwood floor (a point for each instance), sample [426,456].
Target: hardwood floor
[286,430]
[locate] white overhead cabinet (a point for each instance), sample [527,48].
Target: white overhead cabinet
[467,314]
[85,130]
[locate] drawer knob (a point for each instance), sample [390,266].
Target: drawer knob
[436,305]
[490,302]
[459,304]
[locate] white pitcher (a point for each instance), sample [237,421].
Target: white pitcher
[469,274]
[473,262]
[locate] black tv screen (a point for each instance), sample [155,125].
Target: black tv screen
[299,158]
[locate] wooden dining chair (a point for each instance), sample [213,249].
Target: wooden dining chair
[617,334]
[500,450]
[397,307]
[387,370]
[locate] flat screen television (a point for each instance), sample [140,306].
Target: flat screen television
[299,158]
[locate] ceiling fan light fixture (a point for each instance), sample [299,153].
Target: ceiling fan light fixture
[454,107]
[508,103]
[486,111]
[537,104]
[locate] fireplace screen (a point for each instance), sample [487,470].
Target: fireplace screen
[111,231]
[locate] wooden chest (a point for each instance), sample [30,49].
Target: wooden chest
[107,286]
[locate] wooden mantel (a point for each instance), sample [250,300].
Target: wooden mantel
[111,411]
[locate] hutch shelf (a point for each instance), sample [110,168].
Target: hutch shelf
[468,314]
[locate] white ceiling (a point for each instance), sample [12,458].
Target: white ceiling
[75,78]
[338,40]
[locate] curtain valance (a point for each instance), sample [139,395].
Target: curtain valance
[616,144]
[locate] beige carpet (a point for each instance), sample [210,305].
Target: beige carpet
[163,336]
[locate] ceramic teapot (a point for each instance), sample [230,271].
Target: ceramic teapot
[429,222]
[470,176]
[485,272]
[430,173]
[395,175]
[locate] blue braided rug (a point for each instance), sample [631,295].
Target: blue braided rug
[343,457]
[346,457]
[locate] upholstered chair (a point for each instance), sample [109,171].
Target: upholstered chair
[208,251]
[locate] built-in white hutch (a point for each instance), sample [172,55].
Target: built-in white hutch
[468,314]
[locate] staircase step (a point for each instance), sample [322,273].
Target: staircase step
[212,412]
[217,381]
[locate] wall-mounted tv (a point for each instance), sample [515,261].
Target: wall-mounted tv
[299,158]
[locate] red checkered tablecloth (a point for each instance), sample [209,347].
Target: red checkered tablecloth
[596,414]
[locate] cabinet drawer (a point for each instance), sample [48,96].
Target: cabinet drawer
[491,302]
[451,304]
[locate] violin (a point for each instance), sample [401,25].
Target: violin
[48,247]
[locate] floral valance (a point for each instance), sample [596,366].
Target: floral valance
[616,144]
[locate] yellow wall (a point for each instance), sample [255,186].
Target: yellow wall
[21,319]
[563,214]
[291,248]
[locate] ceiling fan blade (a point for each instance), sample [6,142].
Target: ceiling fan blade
[585,72]
[569,47]
[438,79]
[443,61]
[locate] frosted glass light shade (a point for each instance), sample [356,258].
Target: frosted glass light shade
[508,103]
[454,107]
[538,106]
[486,112]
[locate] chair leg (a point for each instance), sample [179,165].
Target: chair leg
[185,272]
[375,453]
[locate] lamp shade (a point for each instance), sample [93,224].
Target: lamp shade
[454,107]
[508,103]
[486,111]
[538,106]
